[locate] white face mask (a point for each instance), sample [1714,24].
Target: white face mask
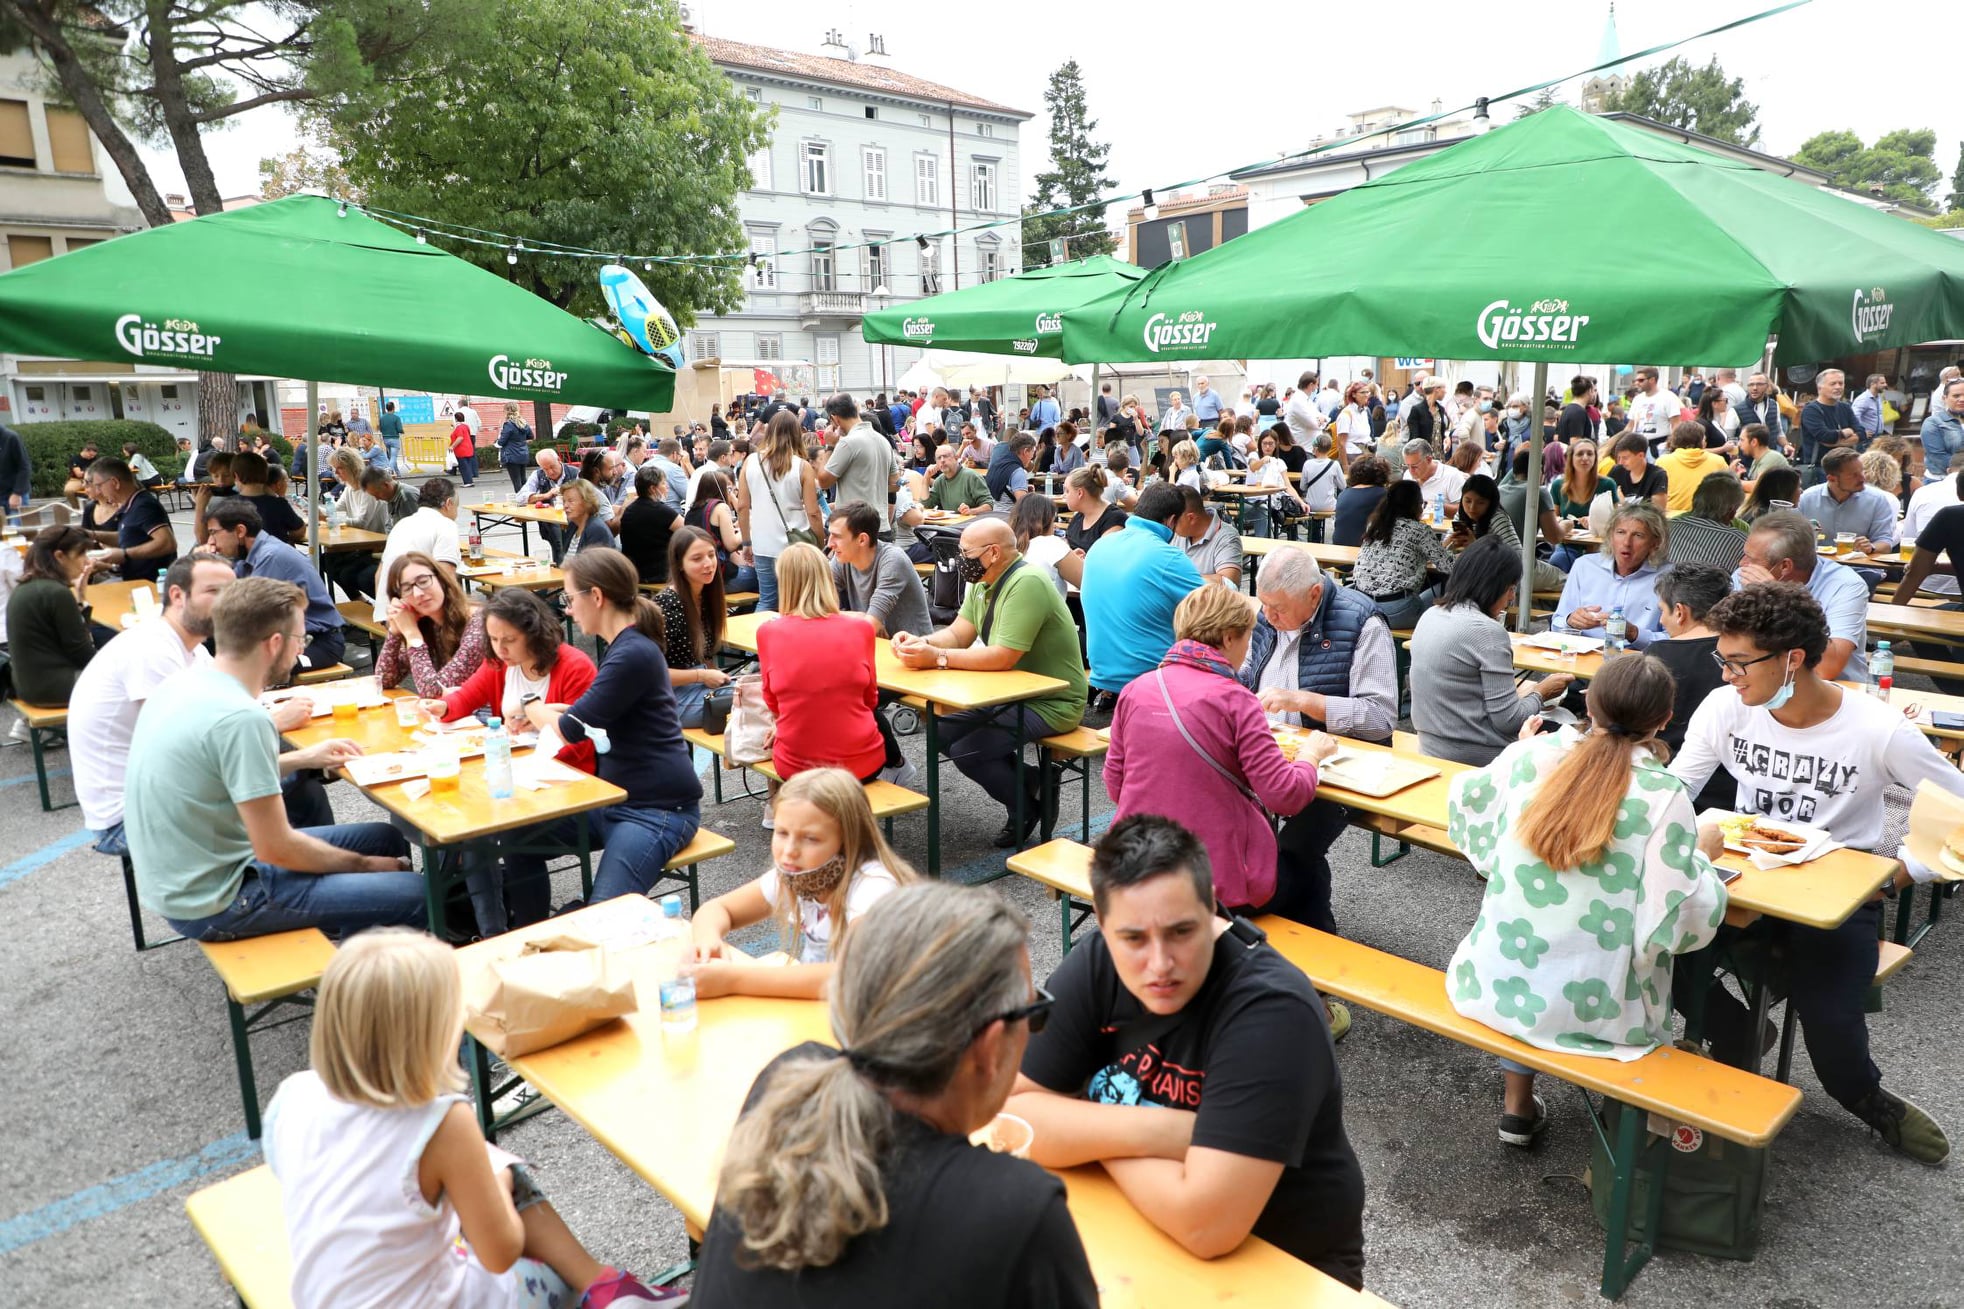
[1515,411]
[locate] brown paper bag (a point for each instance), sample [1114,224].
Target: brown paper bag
[1934,814]
[544,991]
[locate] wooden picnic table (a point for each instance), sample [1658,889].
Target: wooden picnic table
[469,814]
[503,570]
[1917,621]
[1819,893]
[111,602]
[937,691]
[351,540]
[500,513]
[607,1079]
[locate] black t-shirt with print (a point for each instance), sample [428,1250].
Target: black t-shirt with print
[1250,1055]
[1655,482]
[966,1229]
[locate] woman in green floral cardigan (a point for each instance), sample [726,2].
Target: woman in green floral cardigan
[1597,874]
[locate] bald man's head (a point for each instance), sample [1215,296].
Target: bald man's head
[988,549]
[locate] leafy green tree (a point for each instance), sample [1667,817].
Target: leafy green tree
[585,123]
[1547,99]
[1956,201]
[1076,176]
[1900,166]
[1701,100]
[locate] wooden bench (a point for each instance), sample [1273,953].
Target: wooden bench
[360,615]
[1065,867]
[242,1223]
[331,673]
[888,800]
[1928,667]
[42,719]
[267,971]
[1073,753]
[1674,1084]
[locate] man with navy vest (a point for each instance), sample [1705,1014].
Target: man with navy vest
[1321,656]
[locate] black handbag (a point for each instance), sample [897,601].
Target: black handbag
[716,708]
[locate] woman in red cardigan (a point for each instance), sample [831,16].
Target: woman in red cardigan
[526,658]
[819,674]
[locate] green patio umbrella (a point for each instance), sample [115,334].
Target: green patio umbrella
[303,288]
[1010,316]
[1562,236]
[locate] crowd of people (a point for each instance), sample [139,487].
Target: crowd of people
[848,1163]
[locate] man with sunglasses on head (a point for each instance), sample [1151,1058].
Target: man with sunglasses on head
[1193,1061]
[1803,749]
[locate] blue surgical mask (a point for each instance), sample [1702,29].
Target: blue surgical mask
[1784,694]
[1486,406]
[597,735]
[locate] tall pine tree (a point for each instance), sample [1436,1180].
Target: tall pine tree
[1076,176]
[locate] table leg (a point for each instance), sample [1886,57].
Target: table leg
[1016,734]
[586,860]
[433,889]
[933,792]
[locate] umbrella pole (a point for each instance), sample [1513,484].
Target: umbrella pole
[313,475]
[1531,507]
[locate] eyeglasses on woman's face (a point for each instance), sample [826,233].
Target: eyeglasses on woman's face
[422,582]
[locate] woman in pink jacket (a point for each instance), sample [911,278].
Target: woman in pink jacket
[1189,742]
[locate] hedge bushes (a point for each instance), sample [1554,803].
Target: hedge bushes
[51,445]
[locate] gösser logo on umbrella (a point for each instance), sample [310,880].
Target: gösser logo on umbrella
[1544,320]
[177,337]
[1871,314]
[917,327]
[537,373]
[1190,328]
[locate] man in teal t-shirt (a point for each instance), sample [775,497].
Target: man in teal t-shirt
[392,433]
[1022,625]
[202,808]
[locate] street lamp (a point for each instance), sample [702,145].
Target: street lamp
[882,293]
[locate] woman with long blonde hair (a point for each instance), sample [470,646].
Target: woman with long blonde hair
[777,502]
[1597,875]
[850,1172]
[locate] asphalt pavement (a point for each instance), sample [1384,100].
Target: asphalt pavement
[119,1085]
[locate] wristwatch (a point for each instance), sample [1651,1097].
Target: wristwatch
[527,700]
[941,659]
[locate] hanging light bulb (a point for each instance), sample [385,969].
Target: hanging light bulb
[422,237]
[920,241]
[511,255]
[344,210]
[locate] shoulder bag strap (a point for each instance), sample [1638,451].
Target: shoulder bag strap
[770,489]
[995,594]
[1159,675]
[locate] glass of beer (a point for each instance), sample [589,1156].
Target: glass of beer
[345,711]
[444,769]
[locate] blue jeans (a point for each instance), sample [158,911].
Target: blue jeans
[688,702]
[467,469]
[983,747]
[638,841]
[745,580]
[274,899]
[1565,556]
[766,583]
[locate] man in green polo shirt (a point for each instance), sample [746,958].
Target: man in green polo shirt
[956,486]
[1022,624]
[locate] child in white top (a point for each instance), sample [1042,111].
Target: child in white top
[1186,466]
[391,1194]
[829,865]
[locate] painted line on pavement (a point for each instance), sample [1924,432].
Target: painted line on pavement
[47,854]
[84,1206]
[53,773]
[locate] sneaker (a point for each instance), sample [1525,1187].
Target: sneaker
[906,775]
[616,1286]
[1339,1014]
[769,824]
[19,730]
[1009,838]
[1522,1132]
[1903,1126]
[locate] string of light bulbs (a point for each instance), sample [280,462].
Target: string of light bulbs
[424,228]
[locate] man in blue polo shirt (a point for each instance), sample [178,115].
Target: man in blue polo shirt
[1780,548]
[236,532]
[1133,580]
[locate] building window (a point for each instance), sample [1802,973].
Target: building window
[982,188]
[931,269]
[760,168]
[824,266]
[927,120]
[815,168]
[872,112]
[825,354]
[763,267]
[813,102]
[927,180]
[69,142]
[82,242]
[770,345]
[25,250]
[168,391]
[873,164]
[84,395]
[985,129]
[16,135]
[754,94]
[991,258]
[874,262]
[704,345]
[1176,239]
[36,395]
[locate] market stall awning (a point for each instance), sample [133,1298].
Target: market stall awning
[303,288]
[1562,236]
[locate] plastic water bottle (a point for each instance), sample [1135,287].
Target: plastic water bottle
[497,760]
[1882,671]
[678,992]
[1616,632]
[1439,507]
[476,552]
[333,515]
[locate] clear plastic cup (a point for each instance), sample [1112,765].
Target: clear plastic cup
[409,713]
[1006,1134]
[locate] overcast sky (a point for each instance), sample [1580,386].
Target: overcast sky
[1181,98]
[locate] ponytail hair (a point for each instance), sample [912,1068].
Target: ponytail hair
[611,573]
[1571,819]
[918,978]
